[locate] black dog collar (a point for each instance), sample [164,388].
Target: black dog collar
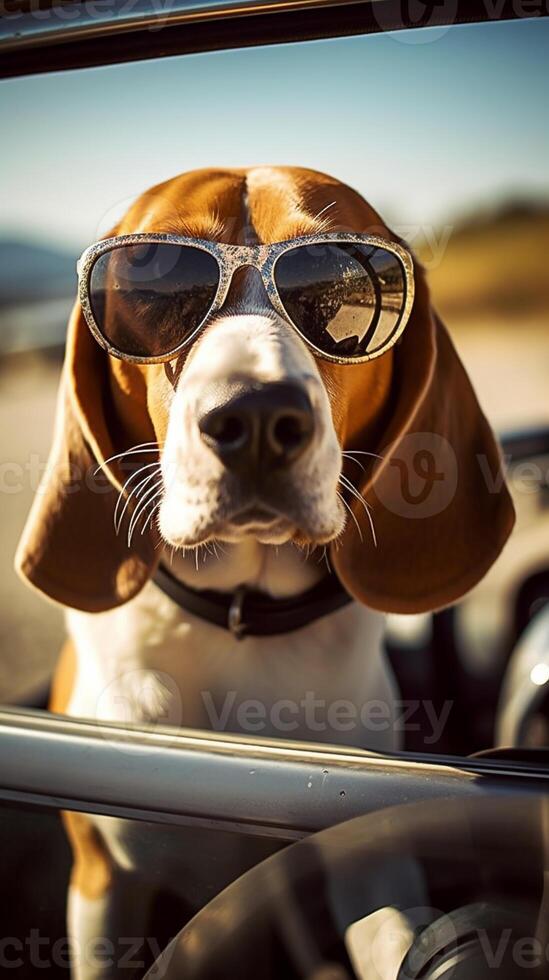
[248,612]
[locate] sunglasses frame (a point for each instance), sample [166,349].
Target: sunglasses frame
[229,258]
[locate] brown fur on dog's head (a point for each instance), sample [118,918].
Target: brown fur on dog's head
[439,513]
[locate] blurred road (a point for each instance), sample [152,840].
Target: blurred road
[509,367]
[31,629]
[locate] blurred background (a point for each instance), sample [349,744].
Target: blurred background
[445,135]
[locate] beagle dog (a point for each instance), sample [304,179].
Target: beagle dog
[264,441]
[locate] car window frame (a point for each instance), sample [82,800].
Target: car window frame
[256,786]
[38,36]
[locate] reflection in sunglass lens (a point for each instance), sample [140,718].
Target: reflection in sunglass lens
[147,298]
[345,297]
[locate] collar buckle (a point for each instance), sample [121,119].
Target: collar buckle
[234,617]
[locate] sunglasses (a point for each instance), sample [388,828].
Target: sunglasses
[145,297]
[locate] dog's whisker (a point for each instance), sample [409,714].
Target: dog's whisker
[361,452]
[208,549]
[149,519]
[142,445]
[133,451]
[324,557]
[145,500]
[141,469]
[358,463]
[350,486]
[139,446]
[344,480]
[156,503]
[134,491]
[159,544]
[217,544]
[353,515]
[322,210]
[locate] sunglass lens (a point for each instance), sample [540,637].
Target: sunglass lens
[346,298]
[148,298]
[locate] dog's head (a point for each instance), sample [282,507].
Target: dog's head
[246,432]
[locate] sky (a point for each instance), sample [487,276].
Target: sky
[424,124]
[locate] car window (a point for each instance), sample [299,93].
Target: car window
[443,132]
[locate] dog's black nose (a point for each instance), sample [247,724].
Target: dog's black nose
[267,427]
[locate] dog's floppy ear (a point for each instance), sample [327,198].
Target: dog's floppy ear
[69,549]
[439,503]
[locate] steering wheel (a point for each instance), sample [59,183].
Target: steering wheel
[424,890]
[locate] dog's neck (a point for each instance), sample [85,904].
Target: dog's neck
[279,571]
